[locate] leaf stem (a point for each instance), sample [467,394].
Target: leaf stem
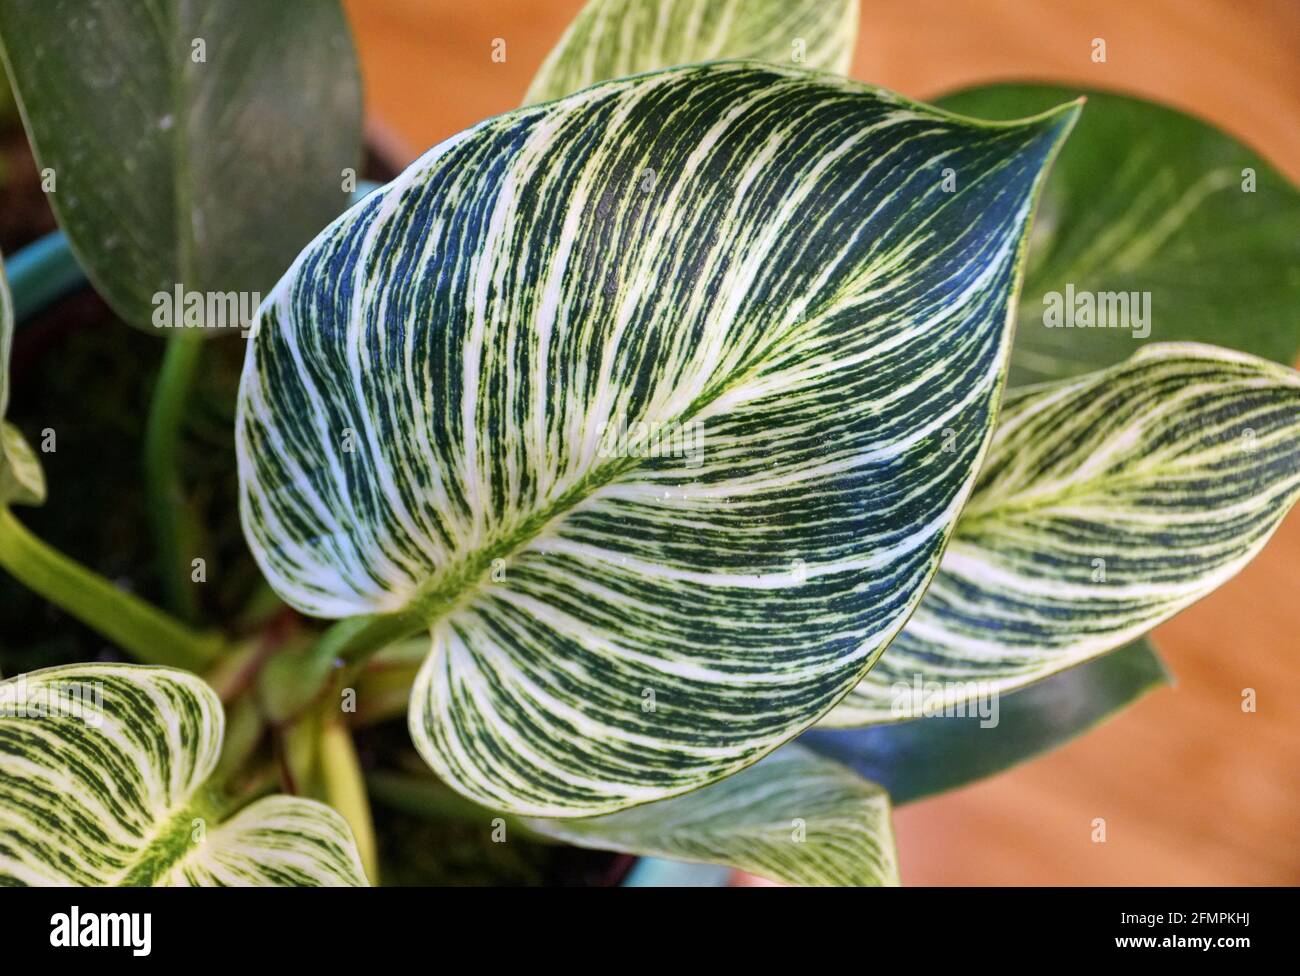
[146,633]
[345,790]
[420,796]
[262,782]
[291,681]
[171,521]
[354,640]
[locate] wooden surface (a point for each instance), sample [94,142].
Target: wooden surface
[1193,790]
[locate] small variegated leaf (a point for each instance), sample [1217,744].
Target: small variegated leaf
[22,482]
[284,841]
[616,38]
[793,817]
[1107,504]
[102,782]
[800,324]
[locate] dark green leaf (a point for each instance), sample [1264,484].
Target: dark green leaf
[191,144]
[929,755]
[1146,199]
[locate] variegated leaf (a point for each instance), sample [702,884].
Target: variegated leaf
[22,482]
[284,841]
[793,817]
[102,782]
[798,317]
[1107,504]
[616,38]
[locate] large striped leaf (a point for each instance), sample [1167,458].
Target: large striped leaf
[1107,504]
[792,817]
[22,482]
[1146,199]
[102,782]
[616,38]
[427,402]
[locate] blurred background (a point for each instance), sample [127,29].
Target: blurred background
[1193,790]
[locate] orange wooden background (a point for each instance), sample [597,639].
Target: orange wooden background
[1193,790]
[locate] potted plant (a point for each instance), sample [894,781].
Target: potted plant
[682,465]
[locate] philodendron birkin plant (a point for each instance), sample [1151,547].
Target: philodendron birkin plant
[651,445]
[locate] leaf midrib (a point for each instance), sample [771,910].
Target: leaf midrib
[181,188]
[1102,484]
[443,594]
[169,845]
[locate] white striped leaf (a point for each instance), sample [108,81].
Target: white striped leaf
[428,396]
[616,38]
[793,817]
[281,841]
[102,782]
[22,482]
[1107,504]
